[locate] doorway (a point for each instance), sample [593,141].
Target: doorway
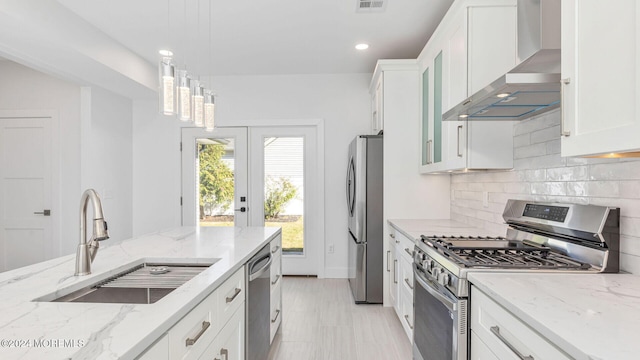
[26,191]
[285,192]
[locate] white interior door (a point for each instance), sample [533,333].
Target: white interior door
[285,191]
[214,177]
[26,226]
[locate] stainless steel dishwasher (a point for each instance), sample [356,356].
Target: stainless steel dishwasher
[258,275]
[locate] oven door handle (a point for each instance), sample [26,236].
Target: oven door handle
[451,305]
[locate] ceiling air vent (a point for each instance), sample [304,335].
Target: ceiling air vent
[368,6]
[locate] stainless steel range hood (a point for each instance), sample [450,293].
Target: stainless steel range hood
[533,86]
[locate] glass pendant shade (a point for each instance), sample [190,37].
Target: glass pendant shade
[198,103]
[166,89]
[209,110]
[184,96]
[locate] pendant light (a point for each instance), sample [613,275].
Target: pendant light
[166,89]
[166,78]
[209,110]
[184,95]
[197,103]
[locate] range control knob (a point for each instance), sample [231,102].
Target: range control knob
[444,279]
[428,264]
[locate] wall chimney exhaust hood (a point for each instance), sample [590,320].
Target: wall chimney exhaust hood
[533,86]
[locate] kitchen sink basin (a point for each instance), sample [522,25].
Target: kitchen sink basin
[144,283]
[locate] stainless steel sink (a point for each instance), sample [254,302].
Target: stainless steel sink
[144,283]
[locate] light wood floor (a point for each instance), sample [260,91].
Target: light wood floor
[321,321]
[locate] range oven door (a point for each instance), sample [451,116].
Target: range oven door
[440,321]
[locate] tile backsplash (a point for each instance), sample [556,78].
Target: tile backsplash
[541,174]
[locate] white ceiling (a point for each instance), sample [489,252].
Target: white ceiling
[266,37]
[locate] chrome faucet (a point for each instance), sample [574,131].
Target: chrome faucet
[87,251]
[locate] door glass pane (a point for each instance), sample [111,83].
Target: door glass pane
[284,190]
[216,160]
[425,116]
[437,109]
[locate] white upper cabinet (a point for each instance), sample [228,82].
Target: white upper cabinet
[600,62]
[474,45]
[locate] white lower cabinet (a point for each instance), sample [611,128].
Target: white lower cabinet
[401,278]
[276,287]
[507,336]
[215,325]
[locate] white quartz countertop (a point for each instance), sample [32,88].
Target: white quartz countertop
[589,316]
[48,330]
[413,228]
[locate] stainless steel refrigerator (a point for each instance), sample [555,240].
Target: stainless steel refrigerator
[364,204]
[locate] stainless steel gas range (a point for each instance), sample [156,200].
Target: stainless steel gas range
[549,237]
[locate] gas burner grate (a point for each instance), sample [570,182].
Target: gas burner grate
[498,252]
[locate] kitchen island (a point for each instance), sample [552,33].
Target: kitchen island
[55,330]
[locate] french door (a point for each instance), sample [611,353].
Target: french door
[274,178]
[214,177]
[284,188]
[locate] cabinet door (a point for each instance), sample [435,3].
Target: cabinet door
[600,62]
[454,88]
[427,135]
[392,269]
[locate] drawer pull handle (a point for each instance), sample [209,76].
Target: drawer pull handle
[388,261]
[275,250]
[276,280]
[224,352]
[235,294]
[496,331]
[408,252]
[406,318]
[276,317]
[393,236]
[205,326]
[395,272]
[406,280]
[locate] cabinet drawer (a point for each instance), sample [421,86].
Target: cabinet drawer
[276,246]
[406,276]
[276,311]
[406,318]
[276,271]
[194,332]
[231,295]
[229,344]
[505,334]
[404,244]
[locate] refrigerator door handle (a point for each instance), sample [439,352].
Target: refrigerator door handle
[351,186]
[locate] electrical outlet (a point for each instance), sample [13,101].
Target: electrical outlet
[331,248]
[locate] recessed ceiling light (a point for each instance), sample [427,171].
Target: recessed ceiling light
[503,95]
[165,52]
[362,46]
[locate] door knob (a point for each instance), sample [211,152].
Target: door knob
[44,212]
[242,209]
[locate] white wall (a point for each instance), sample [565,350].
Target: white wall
[107,157]
[101,159]
[540,173]
[342,101]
